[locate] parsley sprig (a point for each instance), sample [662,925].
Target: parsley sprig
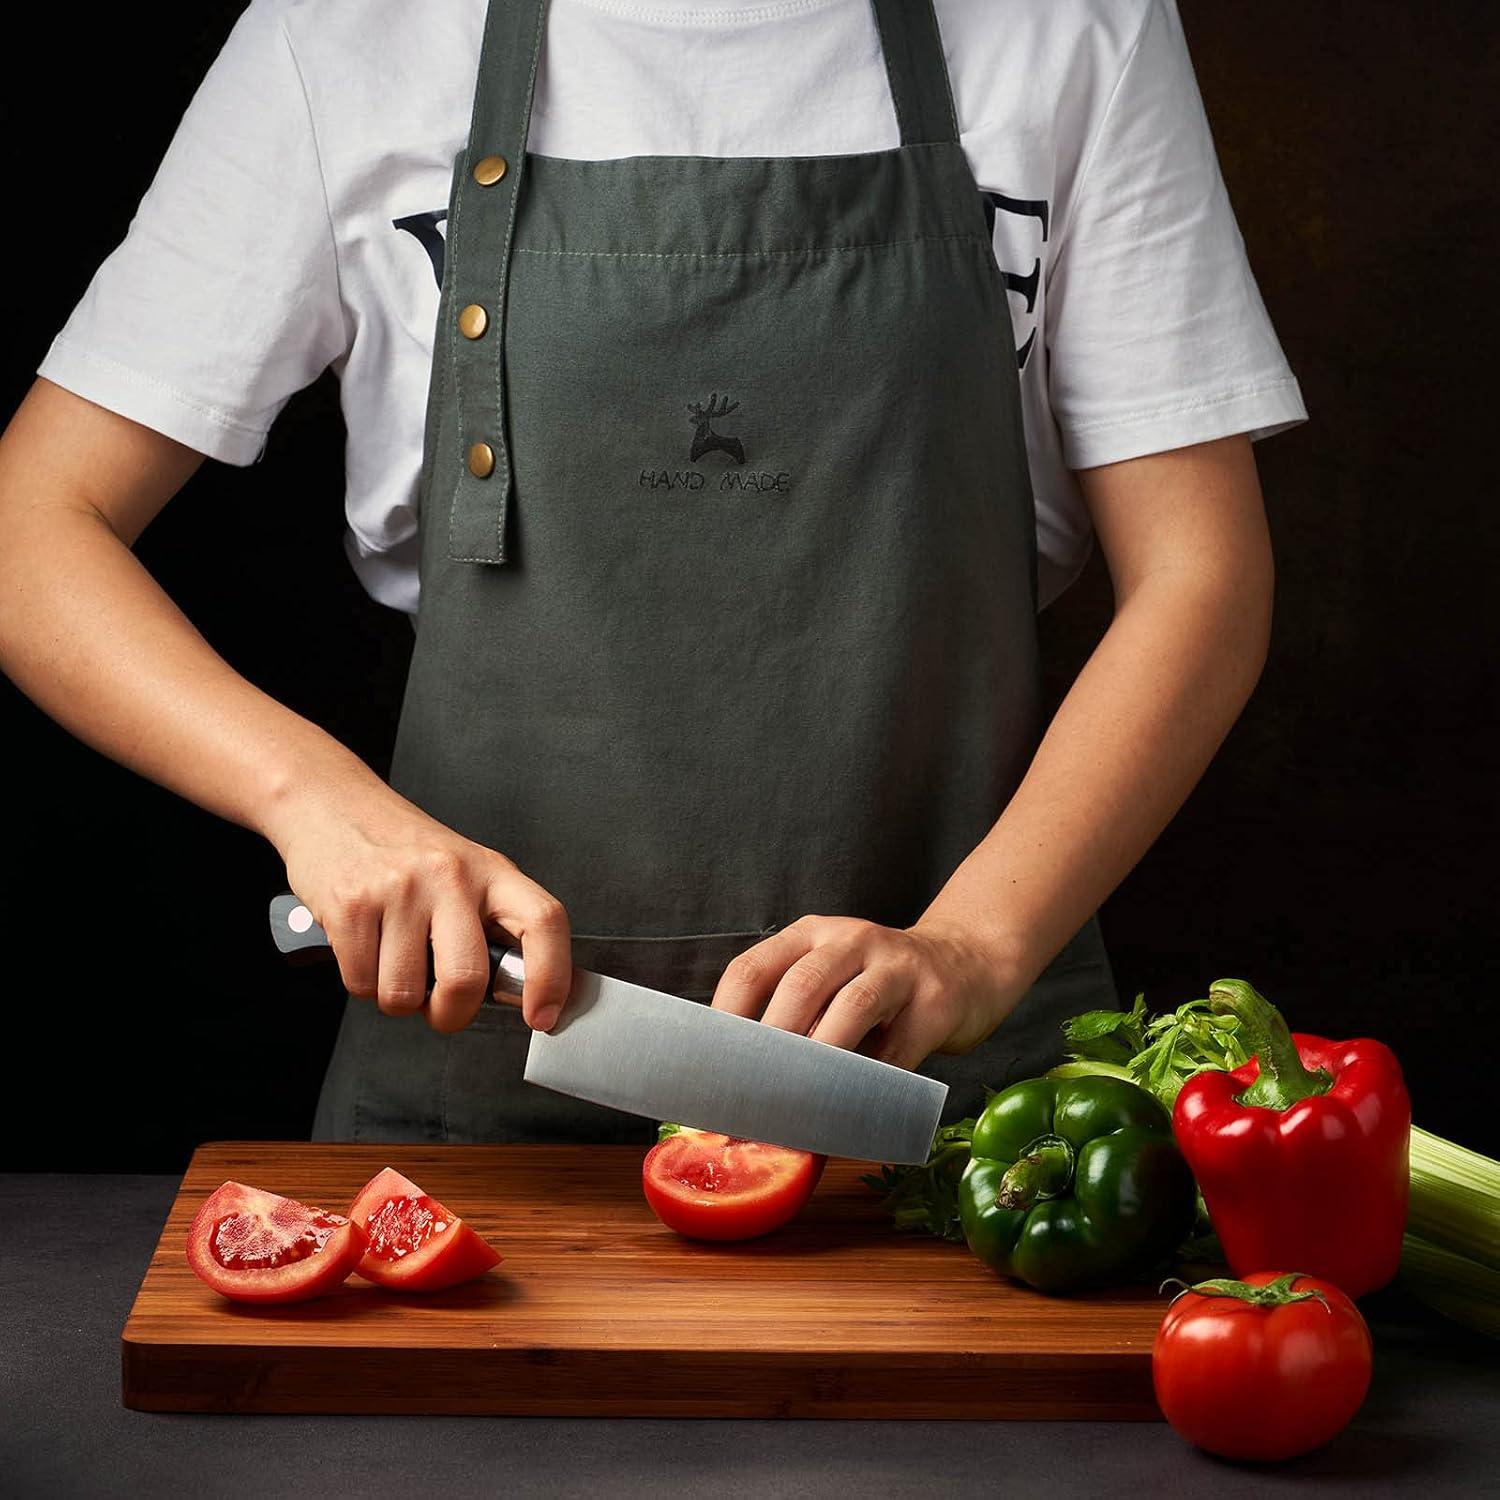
[1160,1053]
[926,1197]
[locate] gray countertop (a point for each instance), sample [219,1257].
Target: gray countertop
[74,1249]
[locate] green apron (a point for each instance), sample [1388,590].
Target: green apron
[728,604]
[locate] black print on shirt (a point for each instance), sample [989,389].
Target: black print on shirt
[1031,208]
[1024,285]
[424,229]
[705,439]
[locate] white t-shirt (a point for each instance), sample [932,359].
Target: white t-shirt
[295,222]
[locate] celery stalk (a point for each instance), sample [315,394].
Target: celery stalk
[1455,1198]
[1459,1288]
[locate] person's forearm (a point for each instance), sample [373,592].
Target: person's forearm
[408,903]
[1127,745]
[94,641]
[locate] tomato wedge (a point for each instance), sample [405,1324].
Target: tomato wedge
[415,1244]
[718,1187]
[253,1246]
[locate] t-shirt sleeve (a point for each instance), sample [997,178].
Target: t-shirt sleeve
[223,298]
[1157,333]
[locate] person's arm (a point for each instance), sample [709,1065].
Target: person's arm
[1184,535]
[90,637]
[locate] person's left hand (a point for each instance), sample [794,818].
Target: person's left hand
[897,994]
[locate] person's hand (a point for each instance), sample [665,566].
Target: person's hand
[898,994]
[386,882]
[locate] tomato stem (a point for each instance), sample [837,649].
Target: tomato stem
[1277,1293]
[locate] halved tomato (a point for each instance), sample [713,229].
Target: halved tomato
[252,1246]
[415,1244]
[719,1187]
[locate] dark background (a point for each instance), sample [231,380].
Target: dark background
[1340,853]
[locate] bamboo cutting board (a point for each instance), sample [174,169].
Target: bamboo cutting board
[597,1310]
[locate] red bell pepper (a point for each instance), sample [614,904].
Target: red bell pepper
[1301,1155]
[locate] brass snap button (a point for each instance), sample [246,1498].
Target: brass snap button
[481,460]
[472,321]
[489,169]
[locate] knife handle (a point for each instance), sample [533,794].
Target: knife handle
[301,941]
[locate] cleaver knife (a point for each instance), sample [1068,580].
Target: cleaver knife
[658,1055]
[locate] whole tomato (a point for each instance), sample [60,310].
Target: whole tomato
[1264,1368]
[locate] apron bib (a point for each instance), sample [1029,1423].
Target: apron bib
[728,605]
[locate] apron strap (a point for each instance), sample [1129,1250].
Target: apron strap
[481,222]
[916,71]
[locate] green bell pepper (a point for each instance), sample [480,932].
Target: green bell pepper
[1074,1182]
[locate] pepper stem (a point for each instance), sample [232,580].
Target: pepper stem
[1283,1078]
[1277,1293]
[1044,1172]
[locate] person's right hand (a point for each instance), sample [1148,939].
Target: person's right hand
[386,882]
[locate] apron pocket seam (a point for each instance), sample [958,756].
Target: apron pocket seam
[802,252]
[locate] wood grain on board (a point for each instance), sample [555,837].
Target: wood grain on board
[597,1310]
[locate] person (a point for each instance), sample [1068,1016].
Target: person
[728,385]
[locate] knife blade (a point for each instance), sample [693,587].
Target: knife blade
[653,1054]
[648,1053]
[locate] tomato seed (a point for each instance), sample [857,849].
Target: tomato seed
[401,1225]
[253,1242]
